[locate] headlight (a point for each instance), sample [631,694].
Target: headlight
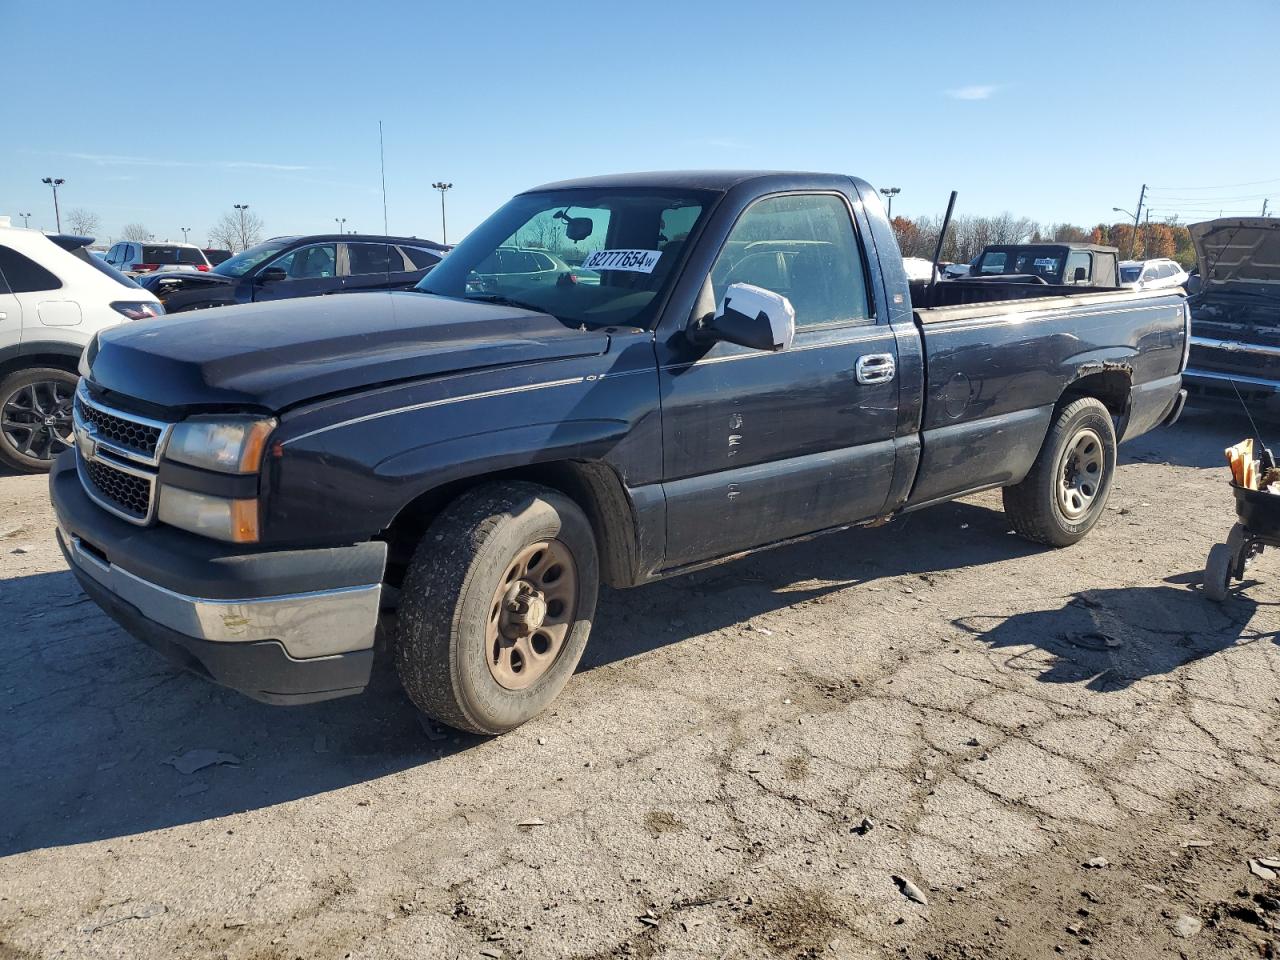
[235,521]
[228,445]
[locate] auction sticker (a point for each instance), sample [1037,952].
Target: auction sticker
[636,261]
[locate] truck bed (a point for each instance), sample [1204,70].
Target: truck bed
[994,371]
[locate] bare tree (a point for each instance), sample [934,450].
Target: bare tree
[236,231]
[137,232]
[82,222]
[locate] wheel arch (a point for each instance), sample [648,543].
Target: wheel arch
[1110,383]
[62,356]
[593,485]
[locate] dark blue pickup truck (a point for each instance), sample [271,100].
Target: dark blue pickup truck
[735,361]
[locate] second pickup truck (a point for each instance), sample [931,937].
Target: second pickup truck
[734,361]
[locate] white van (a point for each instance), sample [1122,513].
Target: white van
[54,296]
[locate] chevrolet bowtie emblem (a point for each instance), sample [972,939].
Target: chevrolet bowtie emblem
[87,440]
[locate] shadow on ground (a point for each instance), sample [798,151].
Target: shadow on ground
[1110,639]
[90,715]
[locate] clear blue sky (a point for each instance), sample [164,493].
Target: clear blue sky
[167,114]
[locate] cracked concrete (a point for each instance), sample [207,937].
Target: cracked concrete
[703,783]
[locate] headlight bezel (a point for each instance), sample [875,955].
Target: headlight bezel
[232,445]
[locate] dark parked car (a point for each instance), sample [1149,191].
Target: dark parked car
[247,496]
[216,257]
[287,267]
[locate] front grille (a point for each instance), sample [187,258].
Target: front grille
[143,438]
[126,492]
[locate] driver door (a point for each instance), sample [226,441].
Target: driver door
[309,271]
[760,447]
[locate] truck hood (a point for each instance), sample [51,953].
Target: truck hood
[1239,253]
[274,355]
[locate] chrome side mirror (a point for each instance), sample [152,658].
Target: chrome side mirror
[751,317]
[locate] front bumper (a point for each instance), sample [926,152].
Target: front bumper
[292,626]
[1261,395]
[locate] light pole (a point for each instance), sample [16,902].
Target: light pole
[185,231]
[342,224]
[442,187]
[54,183]
[26,219]
[240,209]
[1133,240]
[891,192]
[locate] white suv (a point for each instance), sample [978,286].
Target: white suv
[1151,274]
[54,297]
[133,256]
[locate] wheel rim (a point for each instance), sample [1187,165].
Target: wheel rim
[533,609]
[36,419]
[1081,474]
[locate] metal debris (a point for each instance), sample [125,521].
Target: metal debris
[142,912]
[532,822]
[1093,641]
[910,890]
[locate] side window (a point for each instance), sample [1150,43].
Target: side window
[1168,269]
[315,262]
[994,263]
[421,259]
[368,258]
[802,247]
[518,261]
[1075,260]
[24,275]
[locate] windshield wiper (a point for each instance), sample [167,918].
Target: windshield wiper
[505,301]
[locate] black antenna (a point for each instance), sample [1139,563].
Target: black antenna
[942,238]
[1268,461]
[382,162]
[382,159]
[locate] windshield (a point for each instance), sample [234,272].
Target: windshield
[1130,274]
[246,260]
[588,257]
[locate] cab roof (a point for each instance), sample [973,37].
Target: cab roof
[714,180]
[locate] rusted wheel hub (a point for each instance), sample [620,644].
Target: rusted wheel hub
[533,609]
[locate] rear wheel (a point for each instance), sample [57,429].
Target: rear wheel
[35,417]
[496,607]
[1063,495]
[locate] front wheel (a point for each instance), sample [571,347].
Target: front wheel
[496,607]
[1063,495]
[35,417]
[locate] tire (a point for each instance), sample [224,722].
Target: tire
[1064,494]
[472,649]
[35,417]
[1217,572]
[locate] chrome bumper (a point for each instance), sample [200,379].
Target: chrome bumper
[307,625]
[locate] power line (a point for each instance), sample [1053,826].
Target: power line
[1224,186]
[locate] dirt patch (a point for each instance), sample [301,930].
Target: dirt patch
[799,924]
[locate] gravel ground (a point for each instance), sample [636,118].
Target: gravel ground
[767,759]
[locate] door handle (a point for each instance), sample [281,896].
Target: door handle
[3,316]
[876,368]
